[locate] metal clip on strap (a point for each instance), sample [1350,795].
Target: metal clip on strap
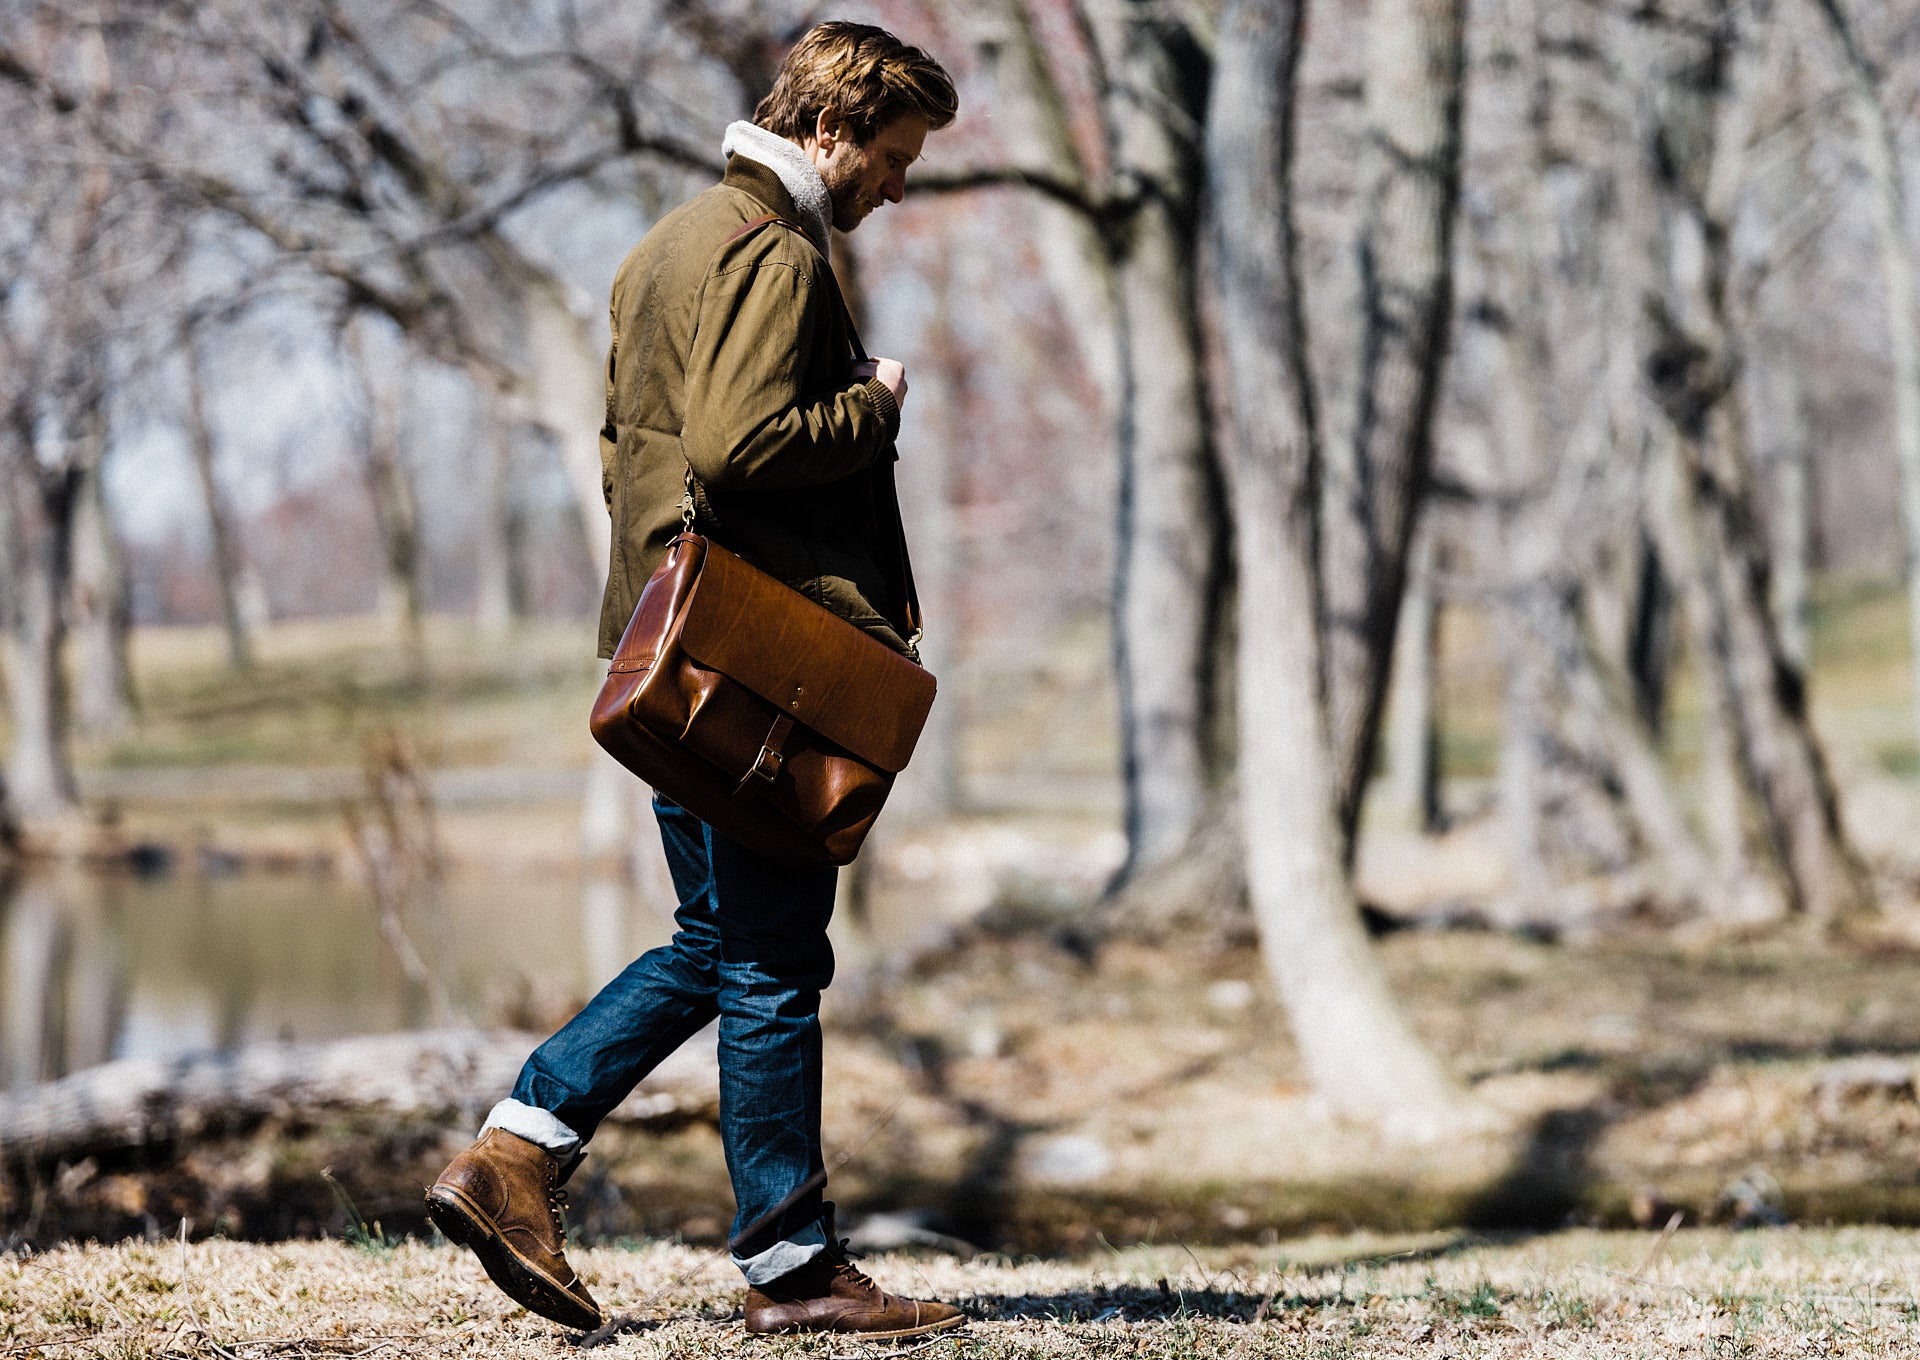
[767,764]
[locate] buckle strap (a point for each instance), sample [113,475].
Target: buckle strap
[771,759]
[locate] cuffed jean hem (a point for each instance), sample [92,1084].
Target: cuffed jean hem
[540,1127]
[786,1255]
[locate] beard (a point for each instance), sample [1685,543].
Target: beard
[850,207]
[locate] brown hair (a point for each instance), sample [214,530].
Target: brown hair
[866,73]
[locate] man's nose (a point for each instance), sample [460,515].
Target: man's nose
[895,189]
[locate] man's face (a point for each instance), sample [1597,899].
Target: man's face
[861,178]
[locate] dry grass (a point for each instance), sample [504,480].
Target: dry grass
[1785,1292]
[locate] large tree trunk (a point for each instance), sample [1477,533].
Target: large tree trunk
[1169,537]
[1880,154]
[1692,367]
[204,446]
[1356,1046]
[102,618]
[43,505]
[1378,461]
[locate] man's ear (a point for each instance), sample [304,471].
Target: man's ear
[829,128]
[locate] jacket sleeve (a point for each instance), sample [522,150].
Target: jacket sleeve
[749,425]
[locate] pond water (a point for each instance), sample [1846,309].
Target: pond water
[101,967]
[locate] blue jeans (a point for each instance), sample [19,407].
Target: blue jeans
[751,948]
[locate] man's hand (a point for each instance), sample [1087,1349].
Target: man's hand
[892,375]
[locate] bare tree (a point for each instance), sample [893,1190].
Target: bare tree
[1699,132]
[499,598]
[1128,250]
[380,441]
[1379,446]
[203,444]
[1169,529]
[100,610]
[55,227]
[1358,1048]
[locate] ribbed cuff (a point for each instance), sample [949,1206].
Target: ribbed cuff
[884,403]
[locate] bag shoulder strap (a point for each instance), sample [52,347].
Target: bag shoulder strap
[915,627]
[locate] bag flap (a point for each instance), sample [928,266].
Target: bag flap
[851,688]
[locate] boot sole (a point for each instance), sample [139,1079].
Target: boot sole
[465,1224]
[945,1324]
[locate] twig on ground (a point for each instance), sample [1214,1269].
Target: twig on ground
[72,1338]
[1660,1243]
[1198,1266]
[186,1292]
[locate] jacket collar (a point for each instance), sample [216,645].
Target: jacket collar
[760,182]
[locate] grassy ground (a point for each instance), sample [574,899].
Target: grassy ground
[1772,1293]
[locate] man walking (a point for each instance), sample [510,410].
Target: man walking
[733,357]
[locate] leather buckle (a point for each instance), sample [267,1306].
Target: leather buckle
[766,765]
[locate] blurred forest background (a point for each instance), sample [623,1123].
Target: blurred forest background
[1417,504]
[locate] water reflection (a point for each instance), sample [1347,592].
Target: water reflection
[66,984]
[99,967]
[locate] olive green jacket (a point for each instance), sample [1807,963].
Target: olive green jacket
[732,355]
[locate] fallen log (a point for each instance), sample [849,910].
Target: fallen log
[141,1102]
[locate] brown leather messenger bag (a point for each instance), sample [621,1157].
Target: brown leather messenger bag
[768,717]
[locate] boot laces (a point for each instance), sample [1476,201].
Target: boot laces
[557,1206]
[844,1258]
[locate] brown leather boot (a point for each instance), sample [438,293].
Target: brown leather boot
[502,1198]
[831,1294]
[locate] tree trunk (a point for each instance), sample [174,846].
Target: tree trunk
[1739,891]
[1127,258]
[1170,534]
[102,620]
[1880,155]
[396,506]
[497,596]
[1525,724]
[1412,791]
[565,393]
[1355,1044]
[1692,368]
[930,787]
[202,443]
[1792,524]
[1648,652]
[1603,694]
[44,504]
[1378,465]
